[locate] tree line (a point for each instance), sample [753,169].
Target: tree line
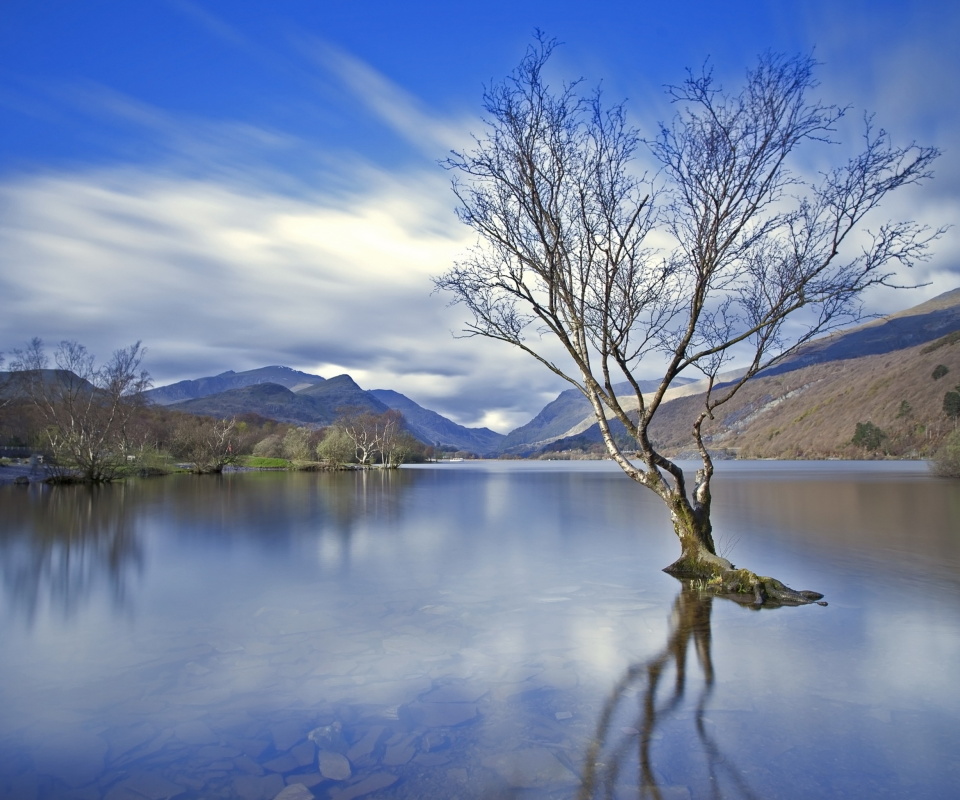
[93,423]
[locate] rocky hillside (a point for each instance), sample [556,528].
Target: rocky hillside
[809,406]
[813,412]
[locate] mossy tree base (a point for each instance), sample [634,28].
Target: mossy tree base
[719,577]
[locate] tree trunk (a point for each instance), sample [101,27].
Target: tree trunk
[699,565]
[698,553]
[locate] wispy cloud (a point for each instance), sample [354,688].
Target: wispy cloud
[229,245]
[396,107]
[212,23]
[214,276]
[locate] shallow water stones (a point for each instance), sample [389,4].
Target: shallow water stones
[328,737]
[666,792]
[295,791]
[400,749]
[334,766]
[288,733]
[366,744]
[195,732]
[454,693]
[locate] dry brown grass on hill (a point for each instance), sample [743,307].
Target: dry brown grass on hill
[813,412]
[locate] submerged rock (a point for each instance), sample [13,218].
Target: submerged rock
[334,766]
[366,744]
[328,737]
[295,791]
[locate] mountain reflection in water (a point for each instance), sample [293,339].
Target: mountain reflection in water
[475,631]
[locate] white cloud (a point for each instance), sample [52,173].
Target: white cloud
[214,276]
[228,245]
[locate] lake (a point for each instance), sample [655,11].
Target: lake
[477,630]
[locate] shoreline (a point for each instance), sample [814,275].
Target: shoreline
[9,473]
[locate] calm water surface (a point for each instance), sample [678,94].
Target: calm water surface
[477,630]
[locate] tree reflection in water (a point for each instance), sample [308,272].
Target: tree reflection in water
[59,545]
[615,743]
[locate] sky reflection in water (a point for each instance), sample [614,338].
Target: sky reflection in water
[461,630]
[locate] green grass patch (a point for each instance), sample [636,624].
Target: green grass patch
[259,462]
[950,338]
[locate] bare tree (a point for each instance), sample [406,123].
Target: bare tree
[365,430]
[372,438]
[398,445]
[726,255]
[86,410]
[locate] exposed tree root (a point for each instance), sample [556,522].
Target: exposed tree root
[720,577]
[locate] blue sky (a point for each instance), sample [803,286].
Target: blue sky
[241,183]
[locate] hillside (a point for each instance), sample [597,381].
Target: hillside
[812,412]
[809,405]
[568,416]
[918,325]
[432,428]
[555,420]
[339,394]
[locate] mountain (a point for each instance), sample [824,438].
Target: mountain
[202,387]
[311,400]
[805,406]
[438,430]
[914,326]
[809,405]
[318,404]
[568,416]
[269,400]
[813,411]
[342,392]
[553,421]
[46,377]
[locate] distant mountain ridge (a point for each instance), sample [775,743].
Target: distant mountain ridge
[437,430]
[568,415]
[299,398]
[318,404]
[203,387]
[914,326]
